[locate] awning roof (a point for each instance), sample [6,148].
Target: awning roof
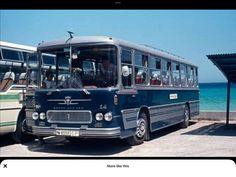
[226,63]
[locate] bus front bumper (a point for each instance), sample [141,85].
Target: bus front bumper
[77,132]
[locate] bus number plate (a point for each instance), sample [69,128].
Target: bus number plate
[67,133]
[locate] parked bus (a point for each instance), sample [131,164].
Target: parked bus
[13,63]
[111,89]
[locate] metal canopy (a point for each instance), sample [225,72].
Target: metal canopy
[226,63]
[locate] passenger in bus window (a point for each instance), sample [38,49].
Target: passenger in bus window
[75,80]
[48,82]
[108,72]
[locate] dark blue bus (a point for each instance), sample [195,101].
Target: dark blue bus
[110,88]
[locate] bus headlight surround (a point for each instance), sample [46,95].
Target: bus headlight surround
[35,116]
[99,116]
[42,116]
[108,116]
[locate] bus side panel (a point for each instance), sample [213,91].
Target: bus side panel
[166,107]
[9,111]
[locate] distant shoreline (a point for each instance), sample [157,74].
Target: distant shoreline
[212,82]
[215,83]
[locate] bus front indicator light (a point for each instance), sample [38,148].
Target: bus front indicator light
[99,116]
[108,116]
[42,116]
[35,116]
[116,100]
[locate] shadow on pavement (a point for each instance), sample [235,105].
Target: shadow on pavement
[215,129]
[87,147]
[6,140]
[90,147]
[168,130]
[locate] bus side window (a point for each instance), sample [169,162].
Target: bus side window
[155,71]
[166,73]
[176,74]
[141,63]
[195,77]
[183,77]
[126,67]
[190,76]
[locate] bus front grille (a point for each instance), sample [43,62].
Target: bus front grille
[69,116]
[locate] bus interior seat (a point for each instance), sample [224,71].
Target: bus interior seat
[139,79]
[155,80]
[7,81]
[22,79]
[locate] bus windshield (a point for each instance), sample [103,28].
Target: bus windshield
[83,67]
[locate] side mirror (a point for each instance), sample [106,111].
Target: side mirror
[125,71]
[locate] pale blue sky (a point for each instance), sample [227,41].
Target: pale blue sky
[191,34]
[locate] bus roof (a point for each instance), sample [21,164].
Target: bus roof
[17,46]
[110,40]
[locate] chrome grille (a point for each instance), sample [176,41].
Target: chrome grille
[69,116]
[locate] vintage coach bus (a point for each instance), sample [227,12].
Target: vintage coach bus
[110,88]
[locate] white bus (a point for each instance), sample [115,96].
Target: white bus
[13,64]
[12,89]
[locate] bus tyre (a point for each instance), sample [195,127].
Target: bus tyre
[185,123]
[142,132]
[20,135]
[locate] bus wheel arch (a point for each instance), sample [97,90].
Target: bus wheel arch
[187,103]
[20,134]
[145,110]
[187,116]
[142,130]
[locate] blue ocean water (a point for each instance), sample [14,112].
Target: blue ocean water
[213,97]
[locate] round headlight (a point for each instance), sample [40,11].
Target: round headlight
[35,116]
[42,116]
[108,116]
[99,116]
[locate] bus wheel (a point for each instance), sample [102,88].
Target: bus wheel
[185,123]
[141,131]
[20,135]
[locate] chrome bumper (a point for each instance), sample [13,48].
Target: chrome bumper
[83,133]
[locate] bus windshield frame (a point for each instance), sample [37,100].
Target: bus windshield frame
[81,66]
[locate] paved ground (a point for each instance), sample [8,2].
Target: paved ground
[200,139]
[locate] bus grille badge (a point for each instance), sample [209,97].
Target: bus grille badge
[67,100]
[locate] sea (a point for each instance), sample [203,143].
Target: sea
[213,97]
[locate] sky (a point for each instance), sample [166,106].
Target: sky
[191,34]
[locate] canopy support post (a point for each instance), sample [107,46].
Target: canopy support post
[228,103]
